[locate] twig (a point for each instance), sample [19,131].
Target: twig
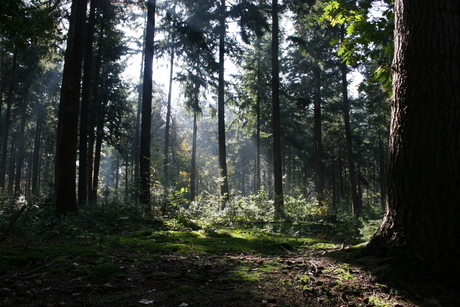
[15,218]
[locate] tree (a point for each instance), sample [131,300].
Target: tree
[168,115]
[224,191]
[144,168]
[424,168]
[319,171]
[276,116]
[192,83]
[67,133]
[355,202]
[7,122]
[85,101]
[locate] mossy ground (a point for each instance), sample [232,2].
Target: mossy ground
[249,265]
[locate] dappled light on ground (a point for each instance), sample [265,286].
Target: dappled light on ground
[212,266]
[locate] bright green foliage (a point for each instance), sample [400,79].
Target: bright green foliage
[369,30]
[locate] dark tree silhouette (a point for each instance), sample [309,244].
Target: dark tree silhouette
[67,133]
[144,168]
[276,116]
[424,168]
[224,191]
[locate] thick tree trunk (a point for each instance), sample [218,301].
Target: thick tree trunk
[144,167]
[424,168]
[224,190]
[67,133]
[276,118]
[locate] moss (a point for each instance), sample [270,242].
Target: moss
[185,289]
[245,274]
[106,270]
[324,245]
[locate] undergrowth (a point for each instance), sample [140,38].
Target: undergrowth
[171,211]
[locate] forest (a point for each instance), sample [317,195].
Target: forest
[229,152]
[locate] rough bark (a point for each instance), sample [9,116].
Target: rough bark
[424,167]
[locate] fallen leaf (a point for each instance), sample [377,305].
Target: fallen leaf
[145,301]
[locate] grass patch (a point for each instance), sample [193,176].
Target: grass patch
[342,272]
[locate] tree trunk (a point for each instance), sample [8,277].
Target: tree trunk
[37,150]
[382,170]
[168,116]
[2,67]
[144,167]
[12,166]
[355,202]
[84,116]
[67,133]
[193,164]
[97,153]
[95,109]
[7,122]
[137,140]
[258,123]
[424,166]
[126,178]
[90,160]
[276,118]
[117,174]
[224,191]
[21,145]
[318,140]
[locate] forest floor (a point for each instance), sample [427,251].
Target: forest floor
[225,266]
